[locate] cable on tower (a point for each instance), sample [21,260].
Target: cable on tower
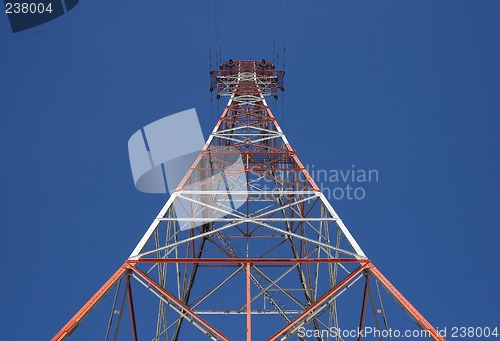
[278,30]
[283,109]
[275,28]
[209,37]
[220,32]
[216,32]
[280,44]
[210,58]
[286,34]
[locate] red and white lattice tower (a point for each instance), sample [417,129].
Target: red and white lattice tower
[257,253]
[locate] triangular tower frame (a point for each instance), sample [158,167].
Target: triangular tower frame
[268,221]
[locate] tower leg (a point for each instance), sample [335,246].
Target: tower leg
[249,302]
[406,305]
[82,313]
[363,307]
[131,308]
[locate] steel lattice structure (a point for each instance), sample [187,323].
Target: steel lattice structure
[247,241]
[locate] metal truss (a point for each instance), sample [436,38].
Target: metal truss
[247,238]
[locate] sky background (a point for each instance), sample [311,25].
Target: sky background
[409,88]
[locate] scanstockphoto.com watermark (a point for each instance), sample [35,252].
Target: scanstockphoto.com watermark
[370,332]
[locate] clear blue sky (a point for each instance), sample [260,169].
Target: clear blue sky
[409,88]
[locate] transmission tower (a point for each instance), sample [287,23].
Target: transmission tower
[247,247]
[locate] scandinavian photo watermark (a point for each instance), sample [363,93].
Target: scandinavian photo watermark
[343,184]
[336,184]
